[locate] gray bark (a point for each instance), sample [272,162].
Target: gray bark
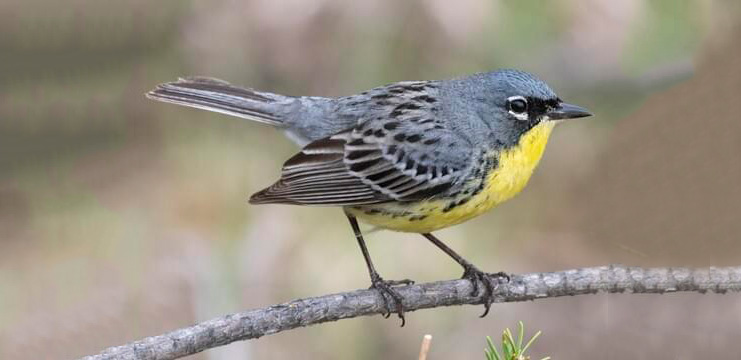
[255,323]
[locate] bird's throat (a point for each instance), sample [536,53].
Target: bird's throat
[516,164]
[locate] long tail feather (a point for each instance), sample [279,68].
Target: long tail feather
[220,96]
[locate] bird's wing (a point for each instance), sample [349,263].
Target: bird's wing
[406,155]
[318,176]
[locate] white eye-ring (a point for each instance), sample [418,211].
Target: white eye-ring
[517,106]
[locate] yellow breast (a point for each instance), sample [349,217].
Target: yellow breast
[513,170]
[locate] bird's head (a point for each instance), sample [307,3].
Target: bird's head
[521,101]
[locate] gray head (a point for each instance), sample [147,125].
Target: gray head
[511,102]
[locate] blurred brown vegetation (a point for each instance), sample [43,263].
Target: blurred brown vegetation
[121,218]
[668,185]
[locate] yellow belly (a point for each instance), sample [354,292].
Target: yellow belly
[515,166]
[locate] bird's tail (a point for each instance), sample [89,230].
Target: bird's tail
[220,96]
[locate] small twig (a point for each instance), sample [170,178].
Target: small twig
[426,340]
[255,323]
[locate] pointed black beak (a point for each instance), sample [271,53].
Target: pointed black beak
[567,111]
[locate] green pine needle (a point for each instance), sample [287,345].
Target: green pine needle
[511,348]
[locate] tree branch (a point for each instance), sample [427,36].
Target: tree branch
[255,323]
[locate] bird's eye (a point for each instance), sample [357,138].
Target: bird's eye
[517,105]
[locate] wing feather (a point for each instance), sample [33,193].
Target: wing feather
[318,176]
[403,153]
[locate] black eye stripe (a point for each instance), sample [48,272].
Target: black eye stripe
[534,106]
[539,106]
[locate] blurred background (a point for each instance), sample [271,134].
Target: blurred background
[122,218]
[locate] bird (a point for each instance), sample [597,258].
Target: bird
[410,156]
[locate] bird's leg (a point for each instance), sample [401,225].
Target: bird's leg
[385,287]
[473,274]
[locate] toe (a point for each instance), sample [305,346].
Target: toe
[487,307]
[390,295]
[400,282]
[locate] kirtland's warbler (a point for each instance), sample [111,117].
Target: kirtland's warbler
[413,156]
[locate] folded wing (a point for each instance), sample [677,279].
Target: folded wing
[372,163]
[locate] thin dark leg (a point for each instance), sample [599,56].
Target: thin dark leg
[385,287]
[473,274]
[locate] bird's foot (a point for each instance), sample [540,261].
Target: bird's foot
[490,280]
[391,297]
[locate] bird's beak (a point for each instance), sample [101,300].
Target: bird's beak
[567,111]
